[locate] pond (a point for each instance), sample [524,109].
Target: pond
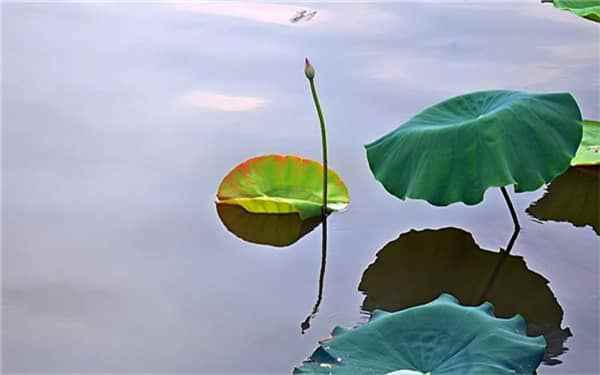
[120,120]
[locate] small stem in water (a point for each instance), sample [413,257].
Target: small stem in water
[511,208]
[503,253]
[309,71]
[502,258]
[305,325]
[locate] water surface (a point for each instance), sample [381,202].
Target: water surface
[119,121]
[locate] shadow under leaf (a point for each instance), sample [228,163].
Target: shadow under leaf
[265,229]
[420,265]
[572,197]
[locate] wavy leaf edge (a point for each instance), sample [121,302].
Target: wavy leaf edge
[325,359]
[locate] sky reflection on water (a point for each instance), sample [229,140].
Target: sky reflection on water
[119,121]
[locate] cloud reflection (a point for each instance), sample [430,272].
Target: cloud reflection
[220,102]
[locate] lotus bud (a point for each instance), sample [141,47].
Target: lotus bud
[309,71]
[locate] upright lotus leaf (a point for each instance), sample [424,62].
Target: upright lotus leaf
[589,9]
[456,149]
[440,337]
[278,184]
[420,265]
[265,229]
[573,197]
[588,152]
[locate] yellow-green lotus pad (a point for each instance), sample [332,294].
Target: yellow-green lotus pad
[588,152]
[282,184]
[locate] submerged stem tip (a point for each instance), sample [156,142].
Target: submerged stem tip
[309,71]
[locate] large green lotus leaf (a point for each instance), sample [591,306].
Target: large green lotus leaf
[420,265]
[573,197]
[265,229]
[278,184]
[589,9]
[440,337]
[456,149]
[588,152]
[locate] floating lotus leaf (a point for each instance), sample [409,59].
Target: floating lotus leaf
[440,337]
[589,9]
[588,152]
[456,149]
[573,197]
[278,184]
[420,265]
[265,229]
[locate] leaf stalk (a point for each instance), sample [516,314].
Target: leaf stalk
[313,90]
[511,208]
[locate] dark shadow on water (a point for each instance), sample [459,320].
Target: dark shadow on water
[276,230]
[420,265]
[571,197]
[265,229]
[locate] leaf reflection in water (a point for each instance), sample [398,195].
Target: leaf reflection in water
[420,265]
[278,230]
[572,197]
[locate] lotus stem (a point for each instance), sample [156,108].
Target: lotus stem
[511,208]
[482,297]
[503,256]
[309,71]
[509,246]
[512,240]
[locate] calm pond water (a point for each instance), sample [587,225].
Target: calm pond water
[120,120]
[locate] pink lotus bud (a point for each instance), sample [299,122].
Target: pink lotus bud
[309,71]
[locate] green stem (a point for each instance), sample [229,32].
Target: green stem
[503,255]
[313,90]
[510,208]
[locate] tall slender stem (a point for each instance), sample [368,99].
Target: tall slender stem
[310,75]
[511,208]
[309,71]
